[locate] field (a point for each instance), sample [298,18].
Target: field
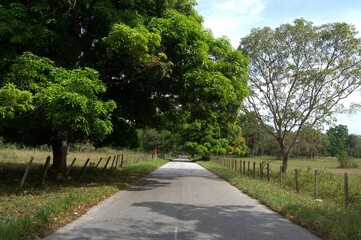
[36,210]
[326,215]
[330,176]
[15,157]
[327,164]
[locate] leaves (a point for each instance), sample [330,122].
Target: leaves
[13,101]
[66,99]
[299,73]
[135,43]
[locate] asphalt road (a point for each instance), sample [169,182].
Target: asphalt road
[181,201]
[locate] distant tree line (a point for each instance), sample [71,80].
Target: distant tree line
[311,143]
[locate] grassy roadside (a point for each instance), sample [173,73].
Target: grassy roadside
[324,218]
[37,211]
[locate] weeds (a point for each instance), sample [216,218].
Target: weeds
[38,210]
[326,218]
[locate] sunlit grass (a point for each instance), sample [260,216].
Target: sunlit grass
[35,210]
[325,217]
[326,164]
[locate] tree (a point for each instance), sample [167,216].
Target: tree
[352,142]
[66,107]
[160,66]
[258,140]
[337,137]
[299,74]
[149,139]
[311,143]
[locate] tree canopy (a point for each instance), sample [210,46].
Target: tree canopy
[158,64]
[299,74]
[64,106]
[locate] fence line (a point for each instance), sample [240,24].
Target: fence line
[119,161]
[232,164]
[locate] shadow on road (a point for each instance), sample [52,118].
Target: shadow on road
[219,222]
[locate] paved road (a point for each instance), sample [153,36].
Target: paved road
[181,201]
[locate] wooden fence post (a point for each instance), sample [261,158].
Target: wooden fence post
[268,172]
[26,172]
[244,167]
[116,163]
[281,177]
[45,169]
[121,161]
[106,164]
[113,162]
[70,167]
[315,193]
[254,169]
[248,168]
[261,170]
[82,170]
[99,162]
[346,190]
[235,165]
[296,176]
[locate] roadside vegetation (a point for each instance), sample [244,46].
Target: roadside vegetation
[36,211]
[325,216]
[146,74]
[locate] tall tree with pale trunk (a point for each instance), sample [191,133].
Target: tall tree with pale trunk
[299,74]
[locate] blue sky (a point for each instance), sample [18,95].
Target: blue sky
[236,18]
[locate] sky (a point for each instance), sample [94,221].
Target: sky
[236,18]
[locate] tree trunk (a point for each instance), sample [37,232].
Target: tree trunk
[284,161]
[60,150]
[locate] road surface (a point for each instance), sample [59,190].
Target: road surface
[181,201]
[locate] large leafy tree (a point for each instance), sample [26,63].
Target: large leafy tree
[299,74]
[161,67]
[338,137]
[65,106]
[208,84]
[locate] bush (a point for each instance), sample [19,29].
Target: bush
[346,161]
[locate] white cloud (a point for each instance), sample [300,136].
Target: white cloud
[236,18]
[231,18]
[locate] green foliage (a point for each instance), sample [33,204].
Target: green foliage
[299,72]
[14,100]
[206,137]
[337,137]
[150,139]
[311,143]
[346,161]
[65,99]
[137,44]
[160,66]
[258,139]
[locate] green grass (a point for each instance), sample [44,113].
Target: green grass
[326,218]
[331,184]
[35,210]
[326,164]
